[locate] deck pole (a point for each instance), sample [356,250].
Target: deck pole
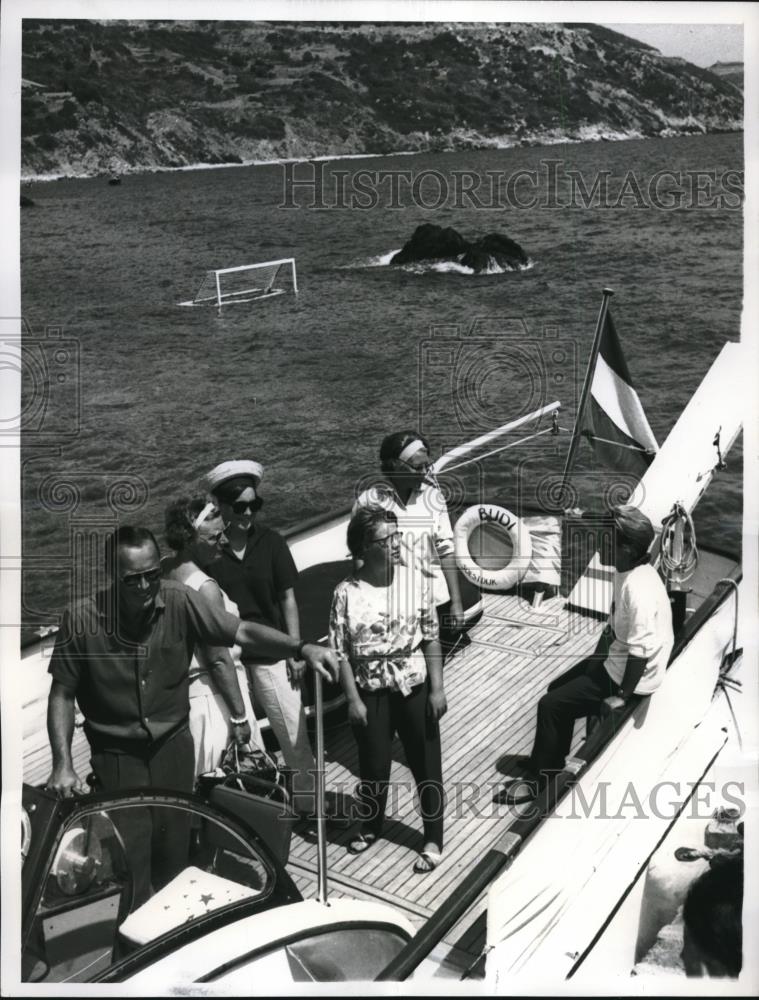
[321,832]
[575,442]
[461,450]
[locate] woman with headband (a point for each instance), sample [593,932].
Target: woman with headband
[255,568]
[220,707]
[409,490]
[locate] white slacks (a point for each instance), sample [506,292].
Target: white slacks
[209,720]
[284,709]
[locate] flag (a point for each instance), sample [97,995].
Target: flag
[613,420]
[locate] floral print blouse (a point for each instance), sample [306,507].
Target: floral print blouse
[379,629]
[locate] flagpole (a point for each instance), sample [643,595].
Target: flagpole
[575,442]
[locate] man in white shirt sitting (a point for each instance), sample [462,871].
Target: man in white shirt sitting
[630,658]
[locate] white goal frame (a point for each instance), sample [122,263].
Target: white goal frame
[253,293]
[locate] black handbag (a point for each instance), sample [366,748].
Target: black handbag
[249,761]
[241,765]
[253,788]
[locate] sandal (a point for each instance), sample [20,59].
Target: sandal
[427,862]
[361,842]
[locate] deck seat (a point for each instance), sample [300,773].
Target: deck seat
[191,894]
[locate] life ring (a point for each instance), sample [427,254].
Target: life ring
[504,523]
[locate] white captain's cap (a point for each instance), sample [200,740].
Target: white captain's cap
[236,468]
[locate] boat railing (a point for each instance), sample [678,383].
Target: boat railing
[503,852]
[317,521]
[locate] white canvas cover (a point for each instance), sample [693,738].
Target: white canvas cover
[545,909]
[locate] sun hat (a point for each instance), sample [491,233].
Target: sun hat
[236,468]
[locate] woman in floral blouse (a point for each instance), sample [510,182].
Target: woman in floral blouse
[384,625]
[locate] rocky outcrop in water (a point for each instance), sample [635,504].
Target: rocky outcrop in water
[434,243]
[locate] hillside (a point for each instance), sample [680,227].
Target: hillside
[731,71]
[120,96]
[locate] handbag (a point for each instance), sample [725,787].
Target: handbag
[249,761]
[244,764]
[253,788]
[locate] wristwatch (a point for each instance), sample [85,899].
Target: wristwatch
[299,650]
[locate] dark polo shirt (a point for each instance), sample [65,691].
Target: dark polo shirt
[256,581]
[135,686]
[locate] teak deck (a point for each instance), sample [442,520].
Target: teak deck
[492,687]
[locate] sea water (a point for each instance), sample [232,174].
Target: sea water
[157,394]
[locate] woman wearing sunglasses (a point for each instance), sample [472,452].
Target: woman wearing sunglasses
[255,568]
[220,707]
[384,627]
[409,490]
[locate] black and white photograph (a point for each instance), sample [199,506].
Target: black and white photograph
[378,549]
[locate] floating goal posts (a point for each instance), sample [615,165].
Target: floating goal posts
[247,283]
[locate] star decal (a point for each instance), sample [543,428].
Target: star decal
[206,898]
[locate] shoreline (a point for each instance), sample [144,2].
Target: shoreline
[527,142]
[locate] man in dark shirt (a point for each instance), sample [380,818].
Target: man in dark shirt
[124,656]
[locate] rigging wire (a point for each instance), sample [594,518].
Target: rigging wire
[505,447]
[725,682]
[619,444]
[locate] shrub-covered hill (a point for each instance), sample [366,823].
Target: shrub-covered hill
[730,71]
[134,95]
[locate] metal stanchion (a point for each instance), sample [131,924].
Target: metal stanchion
[321,822]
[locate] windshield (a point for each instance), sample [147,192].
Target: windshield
[122,876]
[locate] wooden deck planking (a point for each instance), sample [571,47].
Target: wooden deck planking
[391,854]
[507,723]
[38,761]
[37,758]
[351,887]
[492,683]
[401,772]
[493,687]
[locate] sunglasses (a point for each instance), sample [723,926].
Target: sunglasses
[132,580]
[245,506]
[388,539]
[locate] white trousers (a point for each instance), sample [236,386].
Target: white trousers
[209,720]
[284,709]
